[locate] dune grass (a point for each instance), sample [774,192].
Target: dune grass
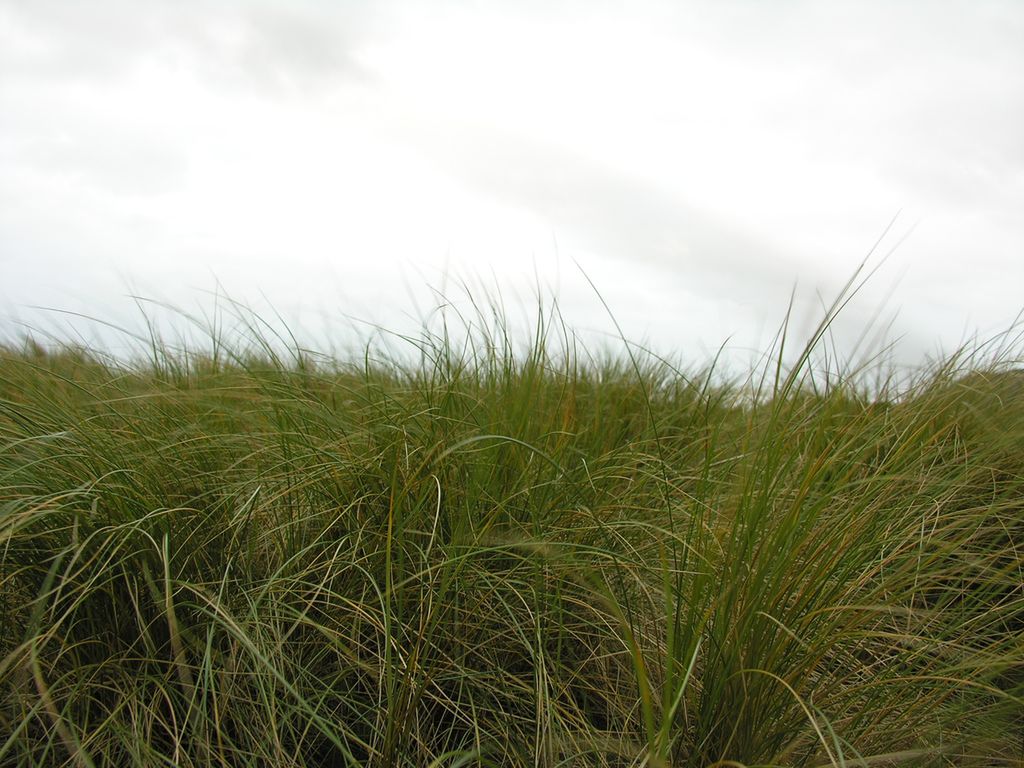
[247,555]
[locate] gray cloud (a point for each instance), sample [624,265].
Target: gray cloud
[259,44]
[594,207]
[103,158]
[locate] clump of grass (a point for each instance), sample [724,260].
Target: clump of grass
[482,555]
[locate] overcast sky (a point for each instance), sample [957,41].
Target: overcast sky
[697,159]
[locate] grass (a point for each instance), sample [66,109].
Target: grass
[247,555]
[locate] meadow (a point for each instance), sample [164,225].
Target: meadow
[486,552]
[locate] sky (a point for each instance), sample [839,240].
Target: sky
[351,164]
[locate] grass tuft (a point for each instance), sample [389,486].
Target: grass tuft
[246,554]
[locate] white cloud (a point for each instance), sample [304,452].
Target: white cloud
[699,158]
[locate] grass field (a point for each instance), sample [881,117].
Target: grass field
[248,555]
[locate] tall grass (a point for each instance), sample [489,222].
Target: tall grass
[488,555]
